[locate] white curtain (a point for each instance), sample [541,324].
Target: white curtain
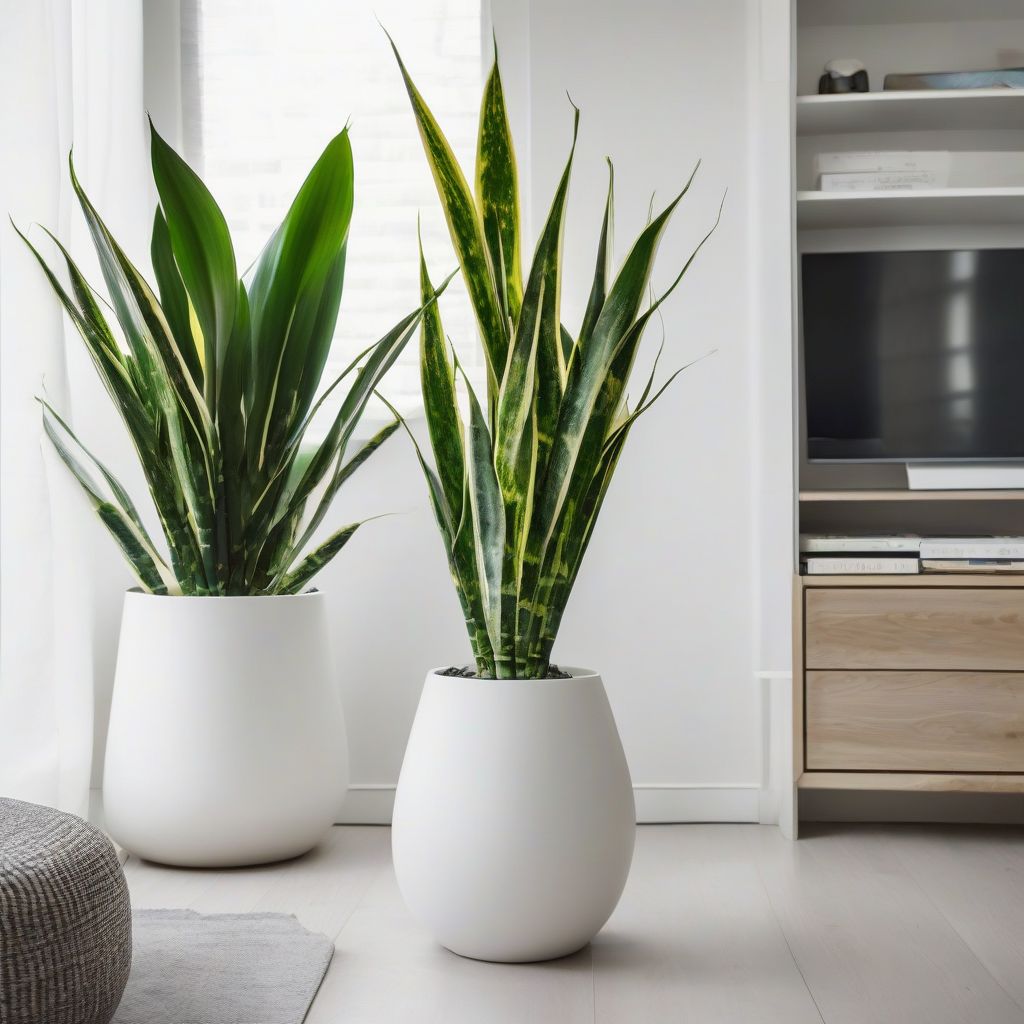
[70,73]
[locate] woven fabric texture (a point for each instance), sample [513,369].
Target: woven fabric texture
[65,919]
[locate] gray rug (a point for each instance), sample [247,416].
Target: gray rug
[190,968]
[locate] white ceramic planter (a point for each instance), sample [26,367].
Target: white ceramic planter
[514,820]
[227,744]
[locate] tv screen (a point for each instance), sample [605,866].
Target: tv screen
[914,356]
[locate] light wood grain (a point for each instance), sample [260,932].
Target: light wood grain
[719,923]
[695,938]
[871,945]
[976,879]
[932,580]
[912,782]
[798,679]
[915,721]
[972,628]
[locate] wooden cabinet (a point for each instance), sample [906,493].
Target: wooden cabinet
[910,683]
[915,721]
[915,628]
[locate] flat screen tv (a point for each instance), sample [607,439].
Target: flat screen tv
[914,356]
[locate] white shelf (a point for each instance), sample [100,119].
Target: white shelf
[916,110]
[895,495]
[972,206]
[885,12]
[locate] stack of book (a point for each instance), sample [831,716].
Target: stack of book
[882,555]
[881,171]
[972,554]
[901,170]
[906,553]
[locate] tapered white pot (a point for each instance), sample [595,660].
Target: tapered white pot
[514,820]
[227,744]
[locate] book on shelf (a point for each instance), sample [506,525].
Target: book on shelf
[973,547]
[881,181]
[898,170]
[935,164]
[988,78]
[853,544]
[885,565]
[967,565]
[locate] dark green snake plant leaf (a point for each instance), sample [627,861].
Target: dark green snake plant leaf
[217,383]
[520,480]
[467,230]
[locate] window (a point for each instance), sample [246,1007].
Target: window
[273,81]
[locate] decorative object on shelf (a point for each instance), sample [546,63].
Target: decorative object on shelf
[65,918]
[514,820]
[881,171]
[843,75]
[1000,78]
[217,386]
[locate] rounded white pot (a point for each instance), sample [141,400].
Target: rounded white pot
[514,820]
[227,743]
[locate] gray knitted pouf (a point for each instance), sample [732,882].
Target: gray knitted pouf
[65,919]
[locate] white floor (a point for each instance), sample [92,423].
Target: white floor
[718,924]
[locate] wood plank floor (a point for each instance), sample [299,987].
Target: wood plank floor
[718,924]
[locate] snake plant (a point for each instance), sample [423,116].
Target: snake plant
[521,477]
[217,380]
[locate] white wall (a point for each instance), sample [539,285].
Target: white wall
[670,603]
[664,605]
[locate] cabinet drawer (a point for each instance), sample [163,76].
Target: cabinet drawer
[915,628]
[915,721]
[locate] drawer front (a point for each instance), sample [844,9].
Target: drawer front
[915,721]
[915,628]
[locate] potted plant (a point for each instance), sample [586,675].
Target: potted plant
[514,820]
[227,744]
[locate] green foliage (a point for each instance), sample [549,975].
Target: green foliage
[519,484]
[216,381]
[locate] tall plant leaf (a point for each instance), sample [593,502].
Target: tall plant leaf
[466,230]
[217,385]
[535,473]
[497,195]
[202,249]
[294,296]
[440,404]
[487,515]
[120,519]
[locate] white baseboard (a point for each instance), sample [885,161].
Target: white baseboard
[367,805]
[680,803]
[372,804]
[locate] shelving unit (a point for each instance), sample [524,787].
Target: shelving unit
[910,111]
[905,683]
[950,206]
